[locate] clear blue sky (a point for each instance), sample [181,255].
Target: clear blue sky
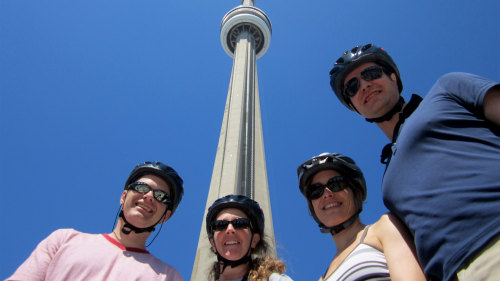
[90,88]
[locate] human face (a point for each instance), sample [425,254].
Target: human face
[143,210]
[332,208]
[231,243]
[374,98]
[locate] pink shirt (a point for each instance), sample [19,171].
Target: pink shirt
[67,254]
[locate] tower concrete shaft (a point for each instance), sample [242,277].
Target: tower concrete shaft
[240,166]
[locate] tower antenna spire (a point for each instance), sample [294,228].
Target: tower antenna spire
[247,2]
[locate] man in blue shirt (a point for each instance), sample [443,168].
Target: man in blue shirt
[443,163]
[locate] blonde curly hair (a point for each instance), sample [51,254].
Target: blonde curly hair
[262,268]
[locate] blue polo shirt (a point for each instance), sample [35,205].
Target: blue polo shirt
[443,179]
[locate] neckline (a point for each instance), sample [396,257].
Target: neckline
[361,241]
[122,247]
[408,110]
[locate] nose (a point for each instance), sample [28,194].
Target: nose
[327,192]
[148,196]
[363,84]
[230,228]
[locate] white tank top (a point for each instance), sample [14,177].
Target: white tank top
[363,263]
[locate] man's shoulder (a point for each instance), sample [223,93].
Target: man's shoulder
[66,235]
[68,232]
[461,82]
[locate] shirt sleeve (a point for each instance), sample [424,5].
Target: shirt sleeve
[468,89]
[35,267]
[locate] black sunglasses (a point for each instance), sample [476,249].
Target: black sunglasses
[368,74]
[142,187]
[240,223]
[334,184]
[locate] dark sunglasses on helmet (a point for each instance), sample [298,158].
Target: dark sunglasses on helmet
[240,223]
[334,184]
[370,73]
[142,187]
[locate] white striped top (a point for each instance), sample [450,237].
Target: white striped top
[363,263]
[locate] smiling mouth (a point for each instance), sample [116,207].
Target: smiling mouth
[229,243]
[146,208]
[332,205]
[370,95]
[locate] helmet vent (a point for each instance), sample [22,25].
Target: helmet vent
[366,47]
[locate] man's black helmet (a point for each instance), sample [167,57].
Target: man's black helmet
[250,207]
[331,161]
[354,58]
[167,173]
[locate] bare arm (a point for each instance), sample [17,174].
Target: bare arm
[492,105]
[398,248]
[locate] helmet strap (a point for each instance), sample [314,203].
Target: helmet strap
[338,228]
[386,117]
[128,227]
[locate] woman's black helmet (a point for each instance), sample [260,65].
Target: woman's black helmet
[167,173]
[354,58]
[250,207]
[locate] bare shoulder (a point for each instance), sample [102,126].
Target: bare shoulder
[377,231]
[385,223]
[388,227]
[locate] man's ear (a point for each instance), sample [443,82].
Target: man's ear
[393,77]
[255,240]
[122,198]
[167,216]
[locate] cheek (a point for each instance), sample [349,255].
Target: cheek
[218,236]
[315,206]
[244,235]
[356,101]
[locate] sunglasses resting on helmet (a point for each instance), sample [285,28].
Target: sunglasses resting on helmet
[334,184]
[370,73]
[240,223]
[142,187]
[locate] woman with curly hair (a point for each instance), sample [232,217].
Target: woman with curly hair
[235,228]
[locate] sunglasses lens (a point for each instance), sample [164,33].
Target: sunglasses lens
[161,196]
[315,191]
[241,223]
[351,87]
[142,188]
[336,184]
[220,225]
[372,73]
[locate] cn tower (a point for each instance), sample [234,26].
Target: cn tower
[240,165]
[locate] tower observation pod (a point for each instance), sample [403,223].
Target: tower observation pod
[240,165]
[245,19]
